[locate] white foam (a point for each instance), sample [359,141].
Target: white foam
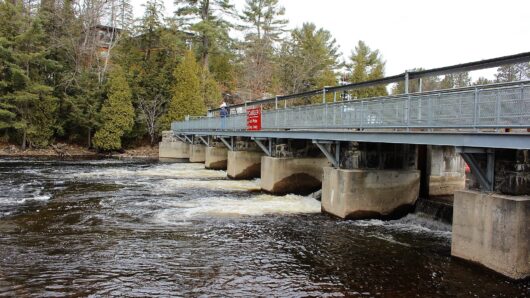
[170,185]
[178,170]
[18,201]
[230,207]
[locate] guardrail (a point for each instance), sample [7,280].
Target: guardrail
[488,106]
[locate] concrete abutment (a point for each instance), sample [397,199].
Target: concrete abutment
[292,175]
[216,158]
[197,153]
[244,164]
[368,193]
[493,230]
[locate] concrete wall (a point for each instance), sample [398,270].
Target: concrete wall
[244,164]
[216,158]
[197,153]
[361,194]
[292,175]
[446,171]
[173,150]
[493,230]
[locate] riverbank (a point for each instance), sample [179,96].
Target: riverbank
[72,151]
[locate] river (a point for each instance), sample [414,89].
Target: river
[115,228]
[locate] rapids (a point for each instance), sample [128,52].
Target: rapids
[115,228]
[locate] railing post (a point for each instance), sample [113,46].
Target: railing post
[406,82]
[475,109]
[334,96]
[276,102]
[498,110]
[324,95]
[407,113]
[362,115]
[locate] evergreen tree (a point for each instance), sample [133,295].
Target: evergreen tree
[264,26]
[514,72]
[309,56]
[28,102]
[186,92]
[427,84]
[456,80]
[117,113]
[208,19]
[366,65]
[482,81]
[210,90]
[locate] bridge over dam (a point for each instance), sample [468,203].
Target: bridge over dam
[374,157]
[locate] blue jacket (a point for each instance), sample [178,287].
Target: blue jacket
[224,112]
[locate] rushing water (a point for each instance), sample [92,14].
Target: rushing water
[112,228]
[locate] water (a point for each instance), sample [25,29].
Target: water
[112,228]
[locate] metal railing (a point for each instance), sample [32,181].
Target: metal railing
[489,106]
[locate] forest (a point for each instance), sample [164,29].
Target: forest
[88,72]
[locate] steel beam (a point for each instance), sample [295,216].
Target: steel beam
[327,153]
[486,177]
[263,147]
[204,141]
[228,145]
[455,138]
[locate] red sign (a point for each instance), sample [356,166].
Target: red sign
[254,118]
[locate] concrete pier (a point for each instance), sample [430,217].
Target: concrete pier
[197,153]
[216,158]
[446,171]
[173,150]
[244,164]
[368,193]
[493,230]
[292,175]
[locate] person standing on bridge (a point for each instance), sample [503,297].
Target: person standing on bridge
[224,114]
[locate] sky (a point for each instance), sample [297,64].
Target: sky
[415,33]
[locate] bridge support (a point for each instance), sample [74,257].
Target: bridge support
[172,149]
[446,171]
[492,228]
[197,153]
[292,175]
[244,164]
[216,158]
[367,193]
[376,181]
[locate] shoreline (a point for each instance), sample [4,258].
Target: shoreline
[74,152]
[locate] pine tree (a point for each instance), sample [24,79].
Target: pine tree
[366,65]
[186,92]
[264,26]
[210,90]
[28,101]
[427,84]
[306,58]
[514,72]
[208,19]
[456,80]
[117,113]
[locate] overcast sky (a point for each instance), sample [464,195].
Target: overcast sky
[416,33]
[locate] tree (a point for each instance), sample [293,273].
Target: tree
[366,65]
[210,90]
[482,81]
[207,18]
[306,58]
[427,84]
[456,80]
[28,104]
[514,72]
[117,113]
[264,26]
[186,98]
